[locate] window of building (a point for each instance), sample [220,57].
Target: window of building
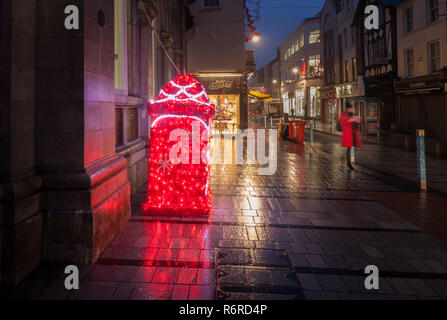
[408,20]
[292,49]
[348,6]
[346,70]
[302,40]
[211,4]
[353,36]
[409,63]
[434,56]
[314,36]
[297,46]
[119,136]
[120,46]
[433,10]
[121,67]
[337,6]
[131,124]
[314,67]
[288,53]
[345,37]
[354,69]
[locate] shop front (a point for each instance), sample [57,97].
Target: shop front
[421,105]
[380,102]
[229,93]
[351,93]
[313,94]
[328,107]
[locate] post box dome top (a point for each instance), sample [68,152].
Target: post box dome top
[184,95]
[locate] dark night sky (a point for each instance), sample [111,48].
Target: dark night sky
[278,20]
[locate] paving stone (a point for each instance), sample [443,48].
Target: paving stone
[187,276]
[337,262]
[315,261]
[123,291]
[123,273]
[95,290]
[270,258]
[180,292]
[401,286]
[234,256]
[283,278]
[298,260]
[144,274]
[308,281]
[199,292]
[191,255]
[205,276]
[165,275]
[231,275]
[331,282]
[421,288]
[314,248]
[149,291]
[98,272]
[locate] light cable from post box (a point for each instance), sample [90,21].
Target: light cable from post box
[158,38]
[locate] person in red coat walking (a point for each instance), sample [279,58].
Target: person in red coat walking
[350,136]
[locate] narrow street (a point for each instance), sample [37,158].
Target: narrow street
[307,232]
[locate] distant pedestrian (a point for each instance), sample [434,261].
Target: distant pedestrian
[350,136]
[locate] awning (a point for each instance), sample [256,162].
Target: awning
[261,96]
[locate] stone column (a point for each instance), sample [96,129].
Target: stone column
[20,217]
[87,193]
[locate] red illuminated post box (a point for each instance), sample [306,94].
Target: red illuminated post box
[179,169]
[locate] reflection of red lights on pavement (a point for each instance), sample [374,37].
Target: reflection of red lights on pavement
[183,187]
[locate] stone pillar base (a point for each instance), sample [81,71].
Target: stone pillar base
[1,237]
[20,228]
[81,235]
[22,245]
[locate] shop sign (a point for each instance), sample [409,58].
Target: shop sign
[344,91]
[220,84]
[417,84]
[234,85]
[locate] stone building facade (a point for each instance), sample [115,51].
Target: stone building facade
[420,86]
[341,83]
[300,70]
[73,126]
[216,56]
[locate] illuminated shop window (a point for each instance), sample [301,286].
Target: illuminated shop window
[314,66]
[314,36]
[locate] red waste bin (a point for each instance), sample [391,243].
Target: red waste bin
[291,131]
[300,127]
[296,130]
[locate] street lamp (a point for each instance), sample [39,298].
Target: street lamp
[256,38]
[295,70]
[274,81]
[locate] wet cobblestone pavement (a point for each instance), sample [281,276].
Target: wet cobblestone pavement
[307,232]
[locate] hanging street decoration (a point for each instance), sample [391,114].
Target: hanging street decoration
[179,169]
[303,68]
[249,7]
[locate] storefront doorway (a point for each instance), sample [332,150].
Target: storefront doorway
[227,112]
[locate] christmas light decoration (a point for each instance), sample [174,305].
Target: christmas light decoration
[256,7]
[179,186]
